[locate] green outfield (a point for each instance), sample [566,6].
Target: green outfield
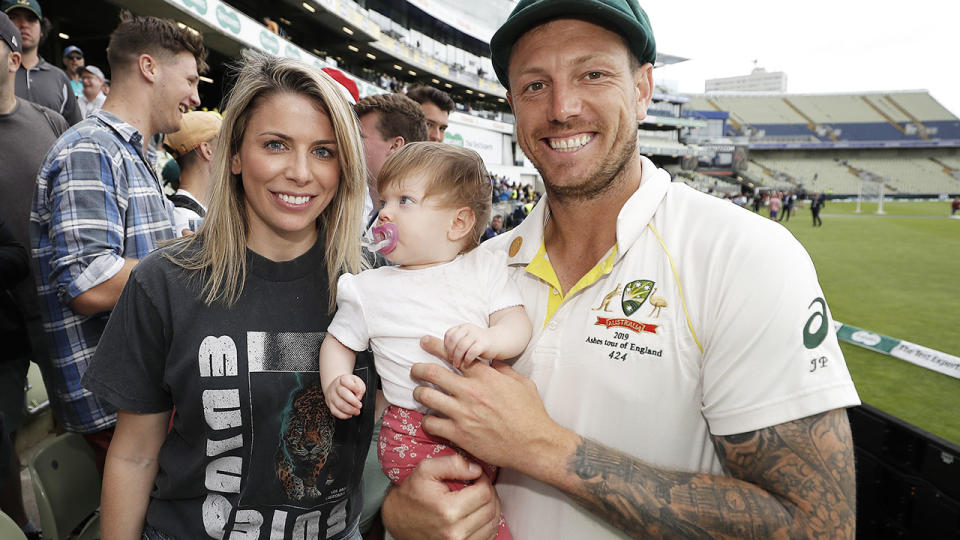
[897,274]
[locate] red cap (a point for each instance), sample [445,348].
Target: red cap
[344,81]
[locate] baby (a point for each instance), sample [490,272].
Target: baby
[435,204]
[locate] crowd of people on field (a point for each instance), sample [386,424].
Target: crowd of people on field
[780,205]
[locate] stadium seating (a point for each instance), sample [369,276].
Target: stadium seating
[762,176]
[66,485]
[889,116]
[9,530]
[951,161]
[36,396]
[909,175]
[904,139]
[814,174]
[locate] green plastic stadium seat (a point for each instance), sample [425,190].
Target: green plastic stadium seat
[36,395]
[9,530]
[66,485]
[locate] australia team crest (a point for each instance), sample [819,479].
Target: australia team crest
[635,294]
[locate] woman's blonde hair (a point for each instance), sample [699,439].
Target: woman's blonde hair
[218,249]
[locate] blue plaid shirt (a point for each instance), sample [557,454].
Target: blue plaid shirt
[98,201]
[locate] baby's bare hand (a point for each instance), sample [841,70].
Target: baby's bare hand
[465,343]
[344,396]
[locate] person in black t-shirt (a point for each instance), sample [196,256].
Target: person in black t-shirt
[224,328]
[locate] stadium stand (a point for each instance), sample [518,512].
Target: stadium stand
[951,162]
[882,116]
[831,142]
[815,174]
[761,175]
[913,174]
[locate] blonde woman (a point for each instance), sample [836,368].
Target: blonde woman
[224,327]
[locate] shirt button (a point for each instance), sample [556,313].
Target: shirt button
[553,325]
[556,292]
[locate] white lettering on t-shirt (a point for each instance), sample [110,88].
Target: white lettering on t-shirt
[215,448]
[279,526]
[217,357]
[223,474]
[307,526]
[216,509]
[221,408]
[337,521]
[247,525]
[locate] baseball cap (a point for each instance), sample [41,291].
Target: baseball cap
[346,82]
[72,49]
[30,5]
[195,128]
[94,70]
[626,17]
[9,33]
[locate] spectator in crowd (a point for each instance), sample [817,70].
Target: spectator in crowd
[193,146]
[757,202]
[437,106]
[815,207]
[517,216]
[27,131]
[387,122]
[99,208]
[773,205]
[38,80]
[495,228]
[14,267]
[106,87]
[271,25]
[750,443]
[93,97]
[253,291]
[72,62]
[955,206]
[788,200]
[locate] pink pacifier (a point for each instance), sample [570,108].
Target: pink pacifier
[384,238]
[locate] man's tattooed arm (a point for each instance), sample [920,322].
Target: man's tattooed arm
[793,480]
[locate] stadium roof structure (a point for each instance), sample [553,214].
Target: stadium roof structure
[664,59]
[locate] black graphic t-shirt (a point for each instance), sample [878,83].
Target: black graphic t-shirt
[253,449]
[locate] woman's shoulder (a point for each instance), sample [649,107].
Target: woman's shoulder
[166,264]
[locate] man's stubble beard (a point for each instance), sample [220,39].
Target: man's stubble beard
[596,184]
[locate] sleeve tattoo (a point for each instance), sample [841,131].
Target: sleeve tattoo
[793,480]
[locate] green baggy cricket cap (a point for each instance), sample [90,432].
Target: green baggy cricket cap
[626,17]
[30,5]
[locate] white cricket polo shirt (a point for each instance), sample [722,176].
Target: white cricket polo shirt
[704,318]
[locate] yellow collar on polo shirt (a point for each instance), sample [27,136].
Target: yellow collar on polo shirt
[526,245]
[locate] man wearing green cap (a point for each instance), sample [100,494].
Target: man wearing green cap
[682,382]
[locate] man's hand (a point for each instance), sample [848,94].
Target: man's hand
[492,412]
[344,396]
[465,343]
[423,507]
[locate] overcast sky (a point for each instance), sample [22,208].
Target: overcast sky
[823,46]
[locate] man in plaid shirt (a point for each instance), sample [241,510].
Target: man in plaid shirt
[99,206]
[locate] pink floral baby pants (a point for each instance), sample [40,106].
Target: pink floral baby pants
[403,444]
